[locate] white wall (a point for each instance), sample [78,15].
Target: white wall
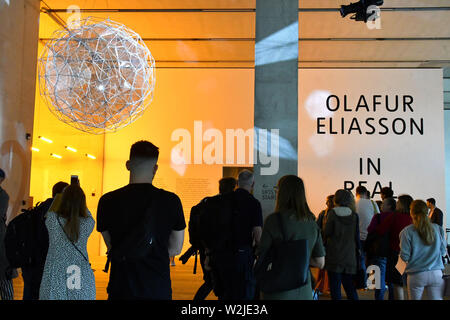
[413,163]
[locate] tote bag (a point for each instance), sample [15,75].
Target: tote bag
[285,266]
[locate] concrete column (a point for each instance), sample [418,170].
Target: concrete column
[276,91]
[19,35]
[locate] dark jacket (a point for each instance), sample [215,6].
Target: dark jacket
[341,235]
[437,217]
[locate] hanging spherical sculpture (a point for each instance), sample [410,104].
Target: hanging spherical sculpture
[97,77]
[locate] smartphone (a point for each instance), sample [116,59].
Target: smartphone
[74,180]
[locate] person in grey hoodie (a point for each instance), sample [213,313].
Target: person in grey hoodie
[341,235]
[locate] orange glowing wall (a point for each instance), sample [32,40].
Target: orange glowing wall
[219,98]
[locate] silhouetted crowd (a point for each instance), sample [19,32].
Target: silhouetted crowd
[396,245]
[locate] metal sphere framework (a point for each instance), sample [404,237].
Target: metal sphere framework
[98,77]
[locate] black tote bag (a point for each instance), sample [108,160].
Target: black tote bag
[285,266]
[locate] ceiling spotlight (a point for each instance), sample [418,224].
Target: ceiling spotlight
[45,139]
[362,10]
[54,155]
[90,156]
[71,149]
[35,149]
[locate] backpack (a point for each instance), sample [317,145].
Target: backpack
[140,241]
[25,239]
[216,223]
[194,224]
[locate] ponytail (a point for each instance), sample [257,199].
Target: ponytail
[421,222]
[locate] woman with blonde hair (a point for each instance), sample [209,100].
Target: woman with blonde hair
[67,272]
[422,247]
[299,223]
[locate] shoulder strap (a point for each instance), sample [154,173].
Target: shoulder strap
[73,244]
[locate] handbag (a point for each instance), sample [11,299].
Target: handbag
[285,266]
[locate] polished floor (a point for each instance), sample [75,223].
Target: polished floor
[184,282]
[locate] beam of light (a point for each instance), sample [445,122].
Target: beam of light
[90,156]
[279,46]
[54,155]
[45,139]
[35,149]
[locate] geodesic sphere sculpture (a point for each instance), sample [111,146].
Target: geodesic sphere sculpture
[97,77]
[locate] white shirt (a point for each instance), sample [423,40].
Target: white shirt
[365,208]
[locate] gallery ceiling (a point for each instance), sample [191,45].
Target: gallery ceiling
[221,33]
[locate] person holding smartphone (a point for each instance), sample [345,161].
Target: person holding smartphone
[67,271]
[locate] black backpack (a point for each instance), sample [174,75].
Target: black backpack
[194,224]
[217,223]
[140,241]
[26,238]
